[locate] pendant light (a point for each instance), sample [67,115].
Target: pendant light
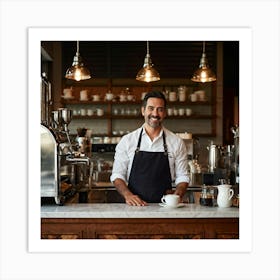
[77,71]
[204,73]
[148,73]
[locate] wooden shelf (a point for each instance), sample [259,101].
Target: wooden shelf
[203,111]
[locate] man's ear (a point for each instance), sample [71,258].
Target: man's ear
[142,110]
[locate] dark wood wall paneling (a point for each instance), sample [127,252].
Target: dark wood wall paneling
[230,87]
[122,59]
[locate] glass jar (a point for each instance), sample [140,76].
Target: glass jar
[206,196]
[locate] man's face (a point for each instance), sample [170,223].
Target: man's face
[154,112]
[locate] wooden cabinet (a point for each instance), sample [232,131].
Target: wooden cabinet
[140,228]
[122,117]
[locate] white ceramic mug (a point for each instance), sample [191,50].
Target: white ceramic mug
[130,97]
[83,112]
[181,112]
[188,111]
[201,95]
[83,95]
[100,112]
[171,200]
[225,194]
[90,112]
[95,97]
[107,140]
[193,97]
[109,96]
[172,96]
[170,111]
[182,95]
[67,92]
[123,98]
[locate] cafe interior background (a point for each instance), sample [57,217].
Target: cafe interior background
[104,104]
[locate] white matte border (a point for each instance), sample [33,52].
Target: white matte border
[36,35]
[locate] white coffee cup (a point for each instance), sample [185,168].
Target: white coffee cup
[90,112]
[171,200]
[181,112]
[172,96]
[100,112]
[83,112]
[130,97]
[83,95]
[201,95]
[67,92]
[123,98]
[109,96]
[188,111]
[107,140]
[169,111]
[182,95]
[193,97]
[95,97]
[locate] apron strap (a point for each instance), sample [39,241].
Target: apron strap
[139,141]
[164,143]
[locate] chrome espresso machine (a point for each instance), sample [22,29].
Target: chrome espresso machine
[63,170]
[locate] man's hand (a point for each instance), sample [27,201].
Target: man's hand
[130,198]
[181,189]
[134,200]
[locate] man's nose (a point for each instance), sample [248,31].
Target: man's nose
[155,112]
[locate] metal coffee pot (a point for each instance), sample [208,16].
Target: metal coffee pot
[214,156]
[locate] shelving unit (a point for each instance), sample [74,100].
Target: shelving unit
[201,123]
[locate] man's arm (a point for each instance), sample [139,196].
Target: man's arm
[130,198]
[181,189]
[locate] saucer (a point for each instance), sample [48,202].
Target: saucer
[169,206]
[67,97]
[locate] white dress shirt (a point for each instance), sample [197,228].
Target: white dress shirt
[125,150]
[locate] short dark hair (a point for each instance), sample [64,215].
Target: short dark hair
[155,94]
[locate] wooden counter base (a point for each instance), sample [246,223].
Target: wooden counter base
[140,228]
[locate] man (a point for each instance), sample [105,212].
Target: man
[148,159]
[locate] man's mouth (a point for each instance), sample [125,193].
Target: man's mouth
[154,118]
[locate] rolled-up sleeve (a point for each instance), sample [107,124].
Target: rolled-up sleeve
[123,158]
[121,162]
[180,167]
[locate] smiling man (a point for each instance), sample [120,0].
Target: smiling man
[150,158]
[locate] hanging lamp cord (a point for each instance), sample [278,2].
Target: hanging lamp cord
[78,51]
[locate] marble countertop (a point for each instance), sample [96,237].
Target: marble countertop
[122,210]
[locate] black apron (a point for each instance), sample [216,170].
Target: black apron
[150,176]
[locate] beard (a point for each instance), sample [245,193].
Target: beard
[153,121]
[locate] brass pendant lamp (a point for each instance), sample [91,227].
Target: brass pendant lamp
[204,73]
[148,73]
[77,71]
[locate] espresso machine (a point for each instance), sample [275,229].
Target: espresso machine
[63,170]
[223,162]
